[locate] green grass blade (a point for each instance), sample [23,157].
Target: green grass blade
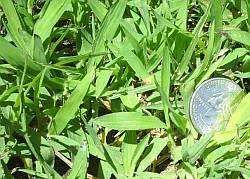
[66,141]
[248,14]
[14,25]
[239,36]
[212,68]
[51,15]
[218,153]
[182,15]
[166,105]
[98,8]
[33,147]
[130,101]
[129,121]
[165,80]
[188,90]
[38,87]
[80,164]
[209,53]
[134,61]
[39,53]
[128,25]
[54,46]
[234,55]
[243,75]
[217,17]
[110,23]
[108,28]
[114,158]
[244,171]
[131,38]
[143,8]
[128,148]
[77,58]
[180,122]
[241,114]
[102,81]
[137,153]
[67,112]
[151,153]
[191,48]
[199,147]
[13,55]
[16,57]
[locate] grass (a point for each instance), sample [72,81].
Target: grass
[101,88]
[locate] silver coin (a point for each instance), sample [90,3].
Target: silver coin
[213,103]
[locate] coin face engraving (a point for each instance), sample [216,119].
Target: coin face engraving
[211,104]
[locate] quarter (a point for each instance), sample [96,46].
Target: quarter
[213,103]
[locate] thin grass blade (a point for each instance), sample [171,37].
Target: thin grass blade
[80,164]
[188,54]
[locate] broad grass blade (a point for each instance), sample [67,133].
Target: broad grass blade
[131,38]
[212,68]
[244,171]
[50,17]
[166,105]
[128,148]
[143,8]
[134,61]
[38,52]
[130,101]
[98,8]
[218,153]
[129,121]
[64,140]
[180,121]
[182,15]
[114,158]
[187,94]
[17,57]
[248,13]
[239,36]
[234,55]
[67,112]
[14,25]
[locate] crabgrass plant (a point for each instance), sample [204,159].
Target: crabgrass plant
[101,88]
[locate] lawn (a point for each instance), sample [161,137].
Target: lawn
[101,88]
